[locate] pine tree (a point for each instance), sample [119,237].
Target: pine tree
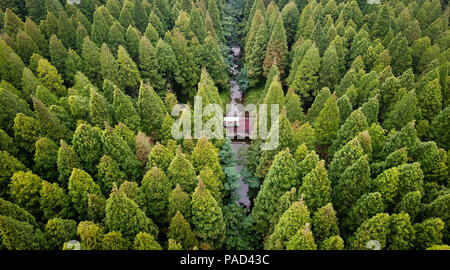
[364,208]
[67,160]
[277,49]
[432,161]
[50,77]
[145,241]
[428,233]
[166,129]
[189,74]
[212,183]
[322,96]
[25,46]
[114,241]
[438,127]
[292,220]
[19,235]
[123,215]
[26,132]
[109,67]
[206,155]
[213,61]
[401,236]
[376,227]
[99,112]
[430,99]
[50,125]
[124,110]
[387,183]
[256,48]
[302,240]
[45,157]
[402,112]
[207,219]
[281,177]
[160,157]
[343,158]
[117,148]
[109,172]
[116,37]
[327,123]
[12,23]
[294,109]
[180,231]
[140,15]
[406,137]
[72,64]
[167,63]
[305,80]
[382,23]
[10,106]
[179,201]
[148,64]
[151,109]
[354,124]
[181,172]
[329,68]
[128,72]
[24,190]
[156,189]
[80,185]
[29,83]
[290,15]
[401,55]
[36,9]
[316,187]
[91,60]
[87,144]
[132,41]
[54,202]
[324,223]
[151,34]
[126,17]
[90,235]
[59,231]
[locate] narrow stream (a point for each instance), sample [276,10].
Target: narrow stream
[236,98]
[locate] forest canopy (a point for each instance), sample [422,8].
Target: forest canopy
[86,152]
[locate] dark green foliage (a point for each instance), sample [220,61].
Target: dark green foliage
[67,159]
[145,241]
[19,235]
[117,148]
[180,231]
[87,144]
[8,165]
[58,231]
[376,227]
[24,190]
[80,186]
[207,218]
[151,109]
[45,157]
[428,233]
[10,106]
[123,215]
[54,201]
[156,189]
[324,223]
[293,220]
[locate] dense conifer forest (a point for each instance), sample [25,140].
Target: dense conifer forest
[86,152]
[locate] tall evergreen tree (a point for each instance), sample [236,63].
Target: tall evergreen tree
[207,218]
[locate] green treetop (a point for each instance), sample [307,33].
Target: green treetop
[207,219]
